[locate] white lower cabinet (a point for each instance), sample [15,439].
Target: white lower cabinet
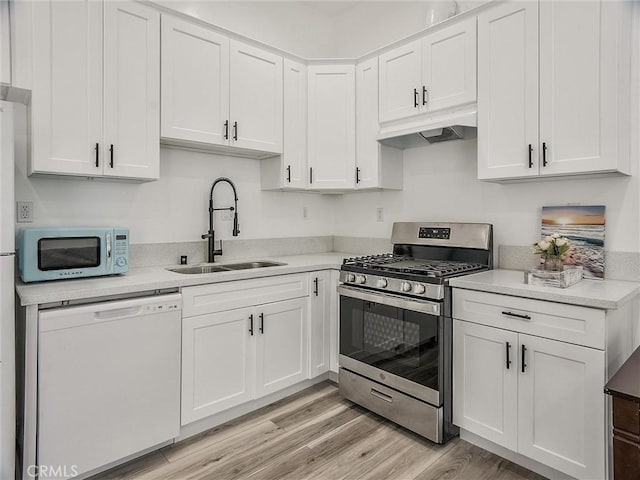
[245,346]
[320,311]
[539,397]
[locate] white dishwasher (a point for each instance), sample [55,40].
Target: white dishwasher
[108,381]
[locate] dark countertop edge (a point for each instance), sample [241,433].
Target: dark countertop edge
[626,381]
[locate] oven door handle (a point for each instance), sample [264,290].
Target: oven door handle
[431,308]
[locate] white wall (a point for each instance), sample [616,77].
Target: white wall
[291,26]
[440,185]
[173,209]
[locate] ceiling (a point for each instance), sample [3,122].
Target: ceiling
[331,8]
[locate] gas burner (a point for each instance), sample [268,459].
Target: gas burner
[374,260]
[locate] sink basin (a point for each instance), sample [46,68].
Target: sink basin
[209,268]
[247,265]
[199,269]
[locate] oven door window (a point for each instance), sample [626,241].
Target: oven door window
[402,342]
[68,252]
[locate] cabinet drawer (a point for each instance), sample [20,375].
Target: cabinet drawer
[626,416]
[218,297]
[567,323]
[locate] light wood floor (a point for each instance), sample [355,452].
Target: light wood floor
[317,435]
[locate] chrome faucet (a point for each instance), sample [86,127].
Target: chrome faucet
[210,235]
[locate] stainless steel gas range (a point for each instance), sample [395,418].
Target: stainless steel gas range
[396,326]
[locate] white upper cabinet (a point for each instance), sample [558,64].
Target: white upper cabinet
[430,74]
[400,82]
[256,98]
[131,90]
[331,127]
[449,66]
[95,114]
[195,83]
[289,171]
[377,165]
[66,102]
[508,91]
[5,44]
[219,92]
[569,117]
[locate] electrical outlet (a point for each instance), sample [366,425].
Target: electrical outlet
[227,215]
[380,215]
[305,212]
[24,212]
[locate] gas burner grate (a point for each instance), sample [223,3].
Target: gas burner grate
[435,268]
[367,261]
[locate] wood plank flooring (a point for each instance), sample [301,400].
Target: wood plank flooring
[316,434]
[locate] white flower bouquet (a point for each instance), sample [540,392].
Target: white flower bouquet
[553,245]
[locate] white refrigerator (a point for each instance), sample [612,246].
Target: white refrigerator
[7,294]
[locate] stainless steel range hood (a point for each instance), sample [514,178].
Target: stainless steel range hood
[427,130]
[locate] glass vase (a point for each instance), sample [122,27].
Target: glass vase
[553,263]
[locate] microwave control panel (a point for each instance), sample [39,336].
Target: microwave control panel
[121,250]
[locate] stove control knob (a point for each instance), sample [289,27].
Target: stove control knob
[351,277]
[406,287]
[361,279]
[382,283]
[418,288]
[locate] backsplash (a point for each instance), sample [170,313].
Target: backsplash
[155,254]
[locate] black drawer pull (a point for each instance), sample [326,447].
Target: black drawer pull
[226,130]
[315,286]
[289,173]
[424,95]
[235,131]
[262,323]
[508,350]
[544,154]
[111,154]
[97,158]
[524,365]
[415,98]
[530,159]
[251,324]
[517,315]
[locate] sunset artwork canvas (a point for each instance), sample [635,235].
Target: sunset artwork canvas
[584,227]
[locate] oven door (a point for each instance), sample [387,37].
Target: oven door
[393,340]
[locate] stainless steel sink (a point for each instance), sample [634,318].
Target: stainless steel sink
[248,265]
[199,269]
[209,268]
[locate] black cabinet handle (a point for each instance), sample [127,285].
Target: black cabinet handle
[357,175]
[524,365]
[262,323]
[97,151]
[111,155]
[517,315]
[424,95]
[315,286]
[415,98]
[289,173]
[544,154]
[251,324]
[530,159]
[508,350]
[226,130]
[235,131]
[310,174]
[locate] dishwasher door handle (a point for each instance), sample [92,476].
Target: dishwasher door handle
[118,313]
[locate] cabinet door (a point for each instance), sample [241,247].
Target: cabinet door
[218,362]
[66,102]
[319,322]
[367,126]
[256,98]
[508,91]
[561,414]
[282,355]
[131,90]
[485,385]
[400,82]
[449,67]
[195,83]
[331,126]
[578,86]
[295,125]
[5,44]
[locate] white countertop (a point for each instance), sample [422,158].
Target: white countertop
[155,278]
[604,294]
